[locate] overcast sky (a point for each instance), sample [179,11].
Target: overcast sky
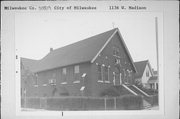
[36,33]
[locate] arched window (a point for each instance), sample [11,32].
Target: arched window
[99,71]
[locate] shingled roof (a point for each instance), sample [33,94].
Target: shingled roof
[79,52]
[140,67]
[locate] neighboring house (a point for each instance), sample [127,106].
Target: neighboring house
[144,73]
[28,78]
[153,81]
[87,68]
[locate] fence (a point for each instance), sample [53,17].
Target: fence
[84,103]
[152,99]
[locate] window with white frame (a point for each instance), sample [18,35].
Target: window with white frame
[120,78]
[76,69]
[76,73]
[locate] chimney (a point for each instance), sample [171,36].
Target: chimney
[51,49]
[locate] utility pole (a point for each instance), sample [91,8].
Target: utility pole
[157,49]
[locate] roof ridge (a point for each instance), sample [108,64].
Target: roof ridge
[85,39]
[28,58]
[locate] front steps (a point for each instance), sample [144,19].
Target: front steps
[146,105]
[133,90]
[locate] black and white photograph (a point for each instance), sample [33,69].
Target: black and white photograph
[69,61]
[73,58]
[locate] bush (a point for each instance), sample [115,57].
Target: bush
[110,92]
[126,102]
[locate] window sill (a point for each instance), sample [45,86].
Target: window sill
[44,84]
[64,83]
[116,56]
[76,81]
[53,84]
[107,81]
[100,81]
[35,85]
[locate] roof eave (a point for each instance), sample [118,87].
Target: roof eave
[37,71]
[127,51]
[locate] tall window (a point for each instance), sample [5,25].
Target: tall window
[106,73]
[64,71]
[76,72]
[117,78]
[120,78]
[76,69]
[99,72]
[36,79]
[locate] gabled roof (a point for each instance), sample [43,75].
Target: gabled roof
[140,66]
[29,63]
[83,51]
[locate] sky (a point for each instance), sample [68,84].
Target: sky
[36,33]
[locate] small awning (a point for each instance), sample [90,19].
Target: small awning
[82,88]
[83,75]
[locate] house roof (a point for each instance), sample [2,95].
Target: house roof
[79,52]
[140,66]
